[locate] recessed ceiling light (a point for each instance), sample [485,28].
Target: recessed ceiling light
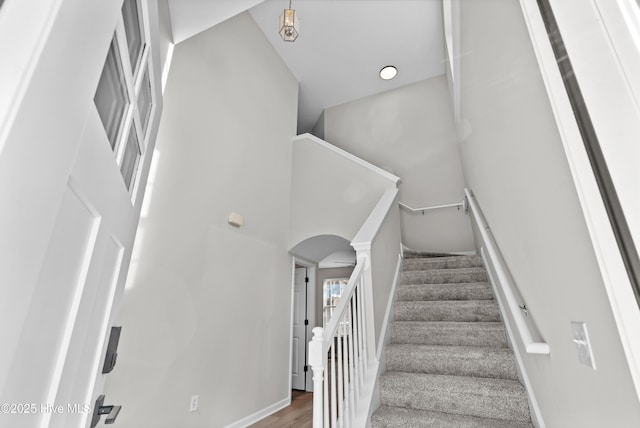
[388,72]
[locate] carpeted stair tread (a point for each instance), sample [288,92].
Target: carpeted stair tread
[444,276]
[488,398]
[456,291]
[452,360]
[449,333]
[397,417]
[447,310]
[441,263]
[448,364]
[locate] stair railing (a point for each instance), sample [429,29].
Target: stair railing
[430,208]
[342,355]
[518,311]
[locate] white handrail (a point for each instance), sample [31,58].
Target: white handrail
[370,227]
[343,384]
[433,207]
[334,322]
[531,346]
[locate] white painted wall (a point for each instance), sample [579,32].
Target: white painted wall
[410,132]
[208,309]
[330,193]
[190,17]
[385,249]
[514,162]
[318,128]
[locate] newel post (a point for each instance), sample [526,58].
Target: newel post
[316,361]
[363,254]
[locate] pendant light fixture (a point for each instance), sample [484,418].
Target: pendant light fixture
[289,25]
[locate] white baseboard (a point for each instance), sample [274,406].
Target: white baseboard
[252,419]
[536,414]
[387,314]
[465,253]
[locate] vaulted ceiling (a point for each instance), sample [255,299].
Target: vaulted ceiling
[342,46]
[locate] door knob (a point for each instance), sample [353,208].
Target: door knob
[100,409]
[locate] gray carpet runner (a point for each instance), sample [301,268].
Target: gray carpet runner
[448,364]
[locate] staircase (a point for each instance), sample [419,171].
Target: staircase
[448,364]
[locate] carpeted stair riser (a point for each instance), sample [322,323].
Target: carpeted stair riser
[461,291]
[393,417]
[452,360]
[408,254]
[444,276]
[449,333]
[487,398]
[441,263]
[447,310]
[448,364]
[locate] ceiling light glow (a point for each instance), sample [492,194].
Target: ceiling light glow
[388,72]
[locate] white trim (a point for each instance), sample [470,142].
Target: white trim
[387,315]
[621,21]
[383,340]
[381,172]
[167,66]
[536,413]
[311,311]
[368,231]
[293,289]
[622,301]
[464,253]
[261,414]
[311,316]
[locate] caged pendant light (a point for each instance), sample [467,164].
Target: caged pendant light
[289,25]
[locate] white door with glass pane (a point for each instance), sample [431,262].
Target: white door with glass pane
[60,319]
[299,339]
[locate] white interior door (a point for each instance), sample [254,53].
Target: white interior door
[70,200]
[299,339]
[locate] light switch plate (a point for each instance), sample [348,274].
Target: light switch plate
[583,345]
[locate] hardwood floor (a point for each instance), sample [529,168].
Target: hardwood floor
[297,415]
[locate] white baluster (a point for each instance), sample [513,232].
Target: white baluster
[361,358]
[352,378]
[334,401]
[347,372]
[356,357]
[340,378]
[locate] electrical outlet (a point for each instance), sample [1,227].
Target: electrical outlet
[193,406]
[581,340]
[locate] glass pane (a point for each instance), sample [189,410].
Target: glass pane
[130,159]
[132,29]
[332,290]
[144,100]
[111,96]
